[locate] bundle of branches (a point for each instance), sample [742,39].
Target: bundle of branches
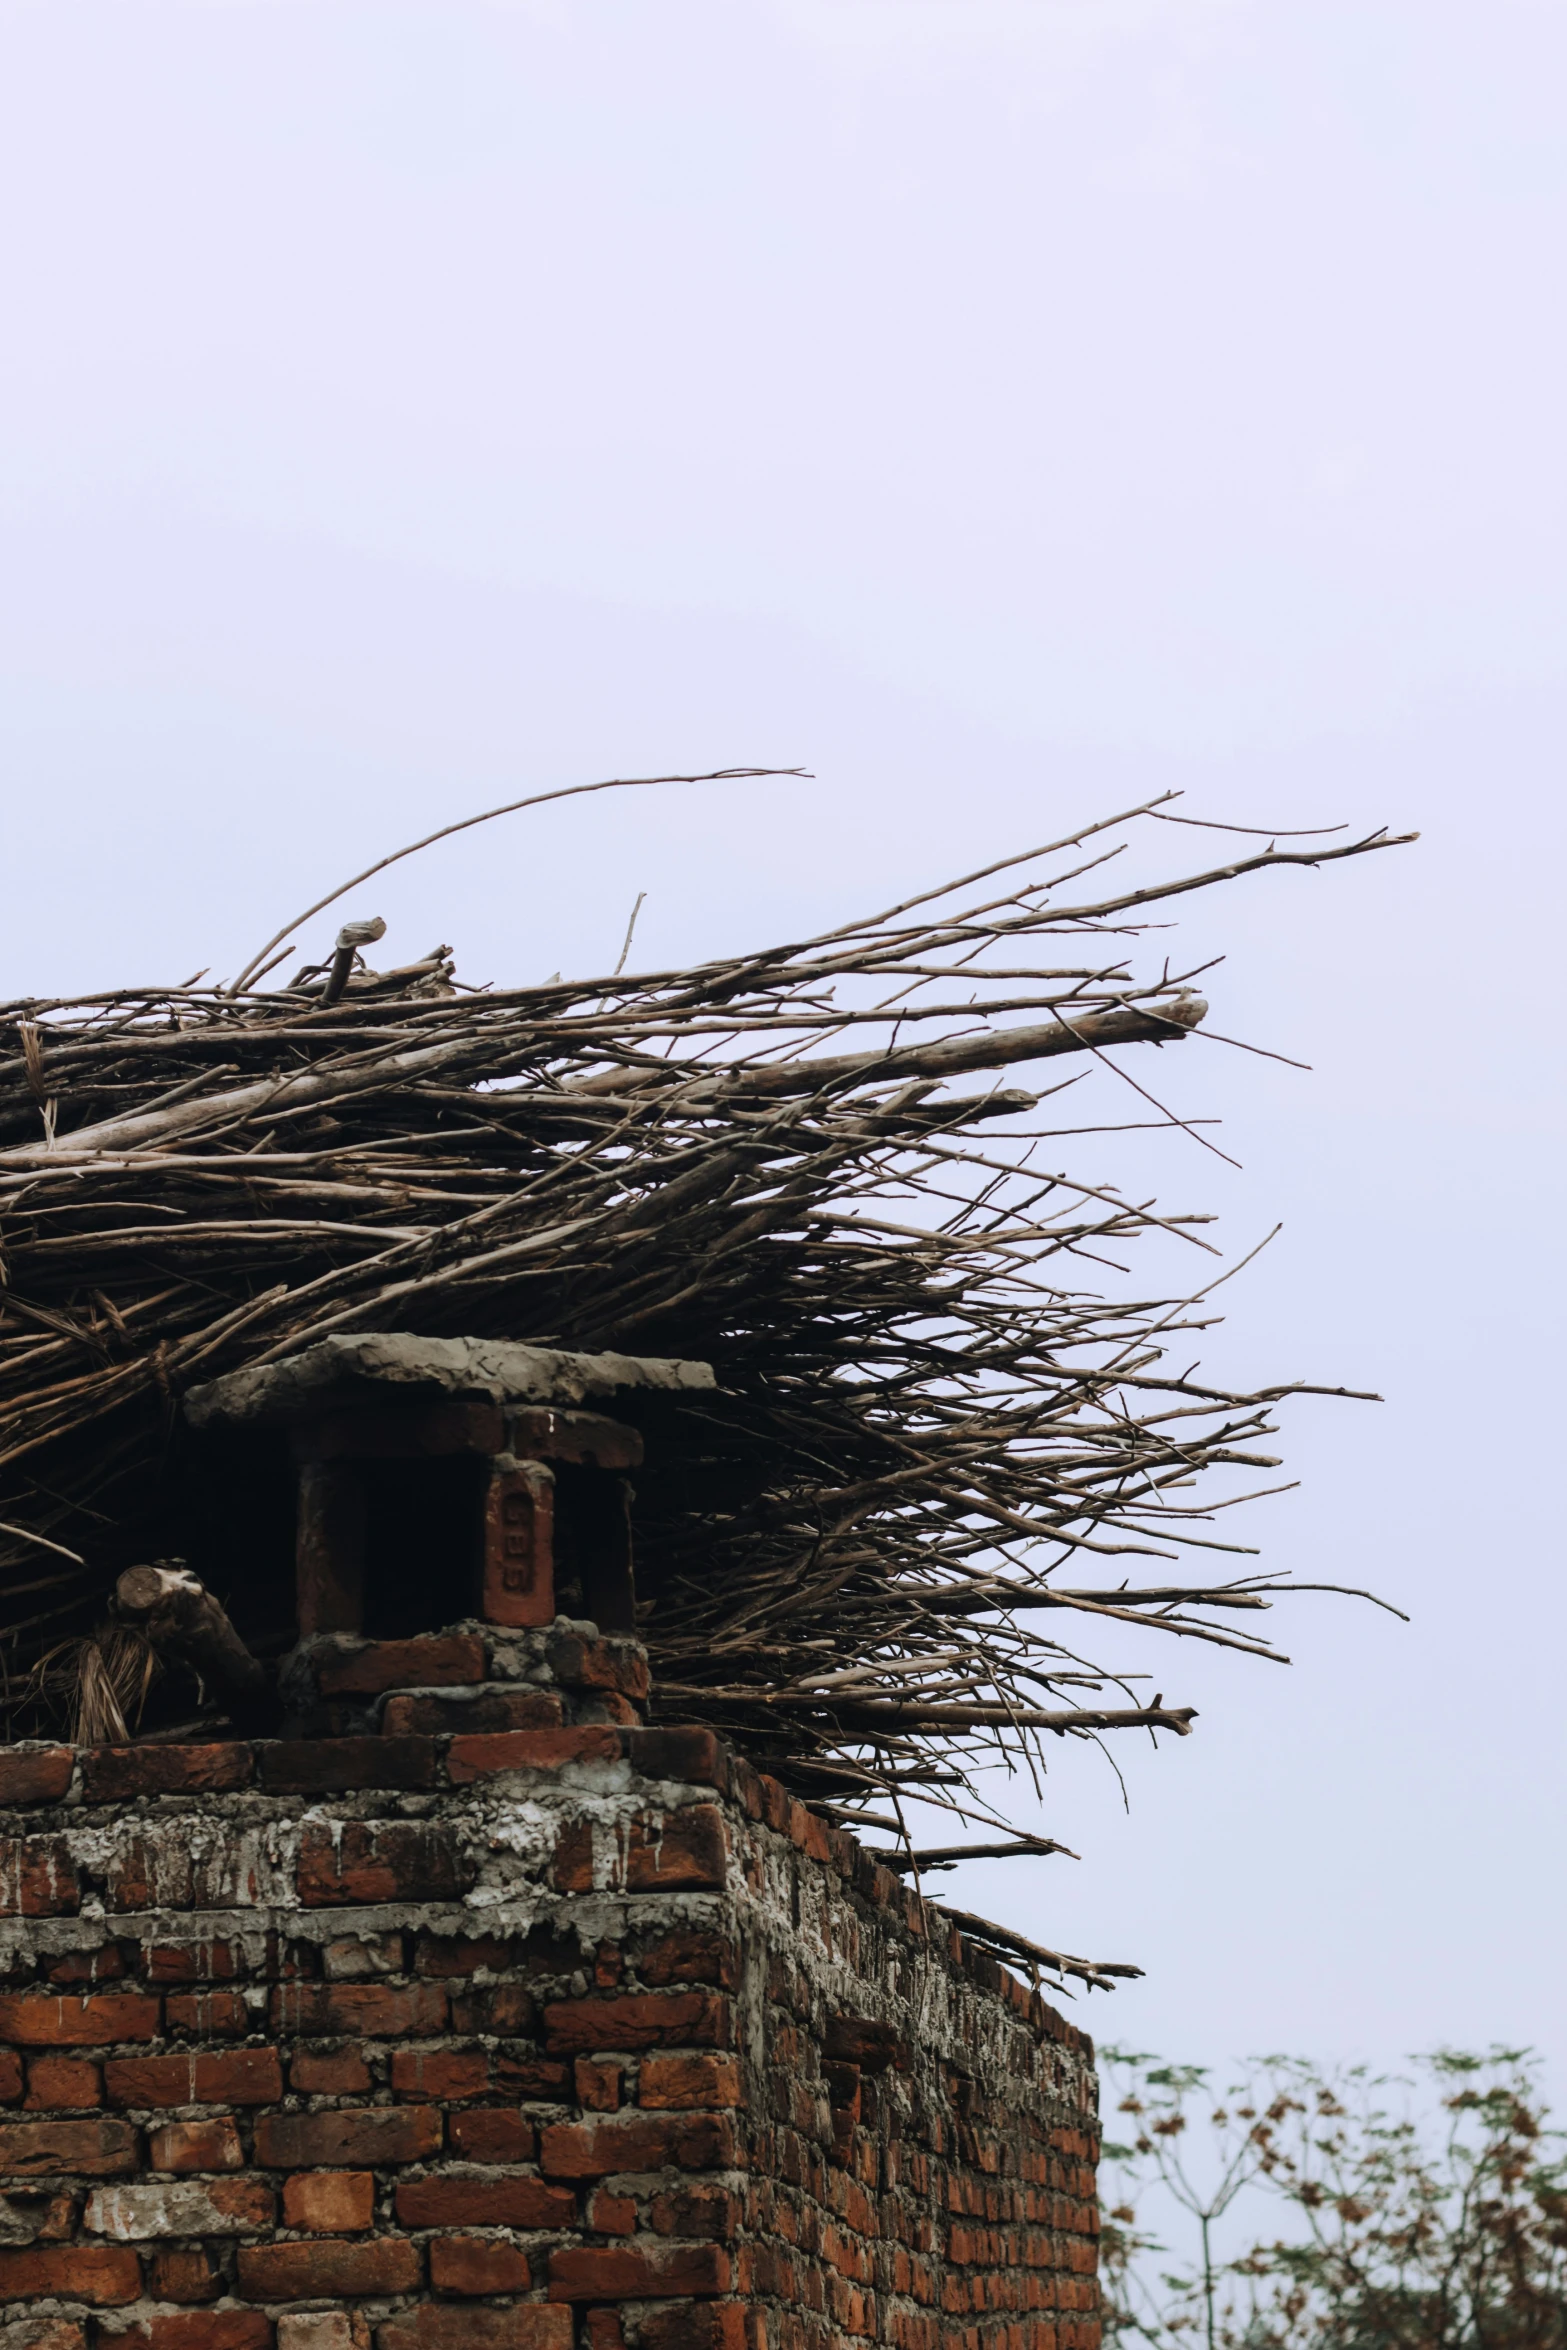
[937,1443]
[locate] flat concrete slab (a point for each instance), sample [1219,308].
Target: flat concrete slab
[365,1367]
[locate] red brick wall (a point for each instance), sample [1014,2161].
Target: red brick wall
[501,2039]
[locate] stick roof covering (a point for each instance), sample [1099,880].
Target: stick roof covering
[938,1455]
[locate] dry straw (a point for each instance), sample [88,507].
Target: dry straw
[948,1443]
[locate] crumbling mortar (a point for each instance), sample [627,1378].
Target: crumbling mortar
[839,1952]
[952,2016]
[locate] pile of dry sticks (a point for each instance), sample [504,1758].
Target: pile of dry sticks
[942,1435]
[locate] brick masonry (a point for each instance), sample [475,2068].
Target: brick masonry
[479,2016]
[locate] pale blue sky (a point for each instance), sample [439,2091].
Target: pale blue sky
[1006,408]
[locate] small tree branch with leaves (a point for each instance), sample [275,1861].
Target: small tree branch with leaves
[1422,2213]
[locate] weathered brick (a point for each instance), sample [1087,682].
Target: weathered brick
[673,2082]
[322,2329]
[641,2271]
[63,2082]
[446,2200]
[183,2276]
[329,2202]
[35,2019]
[152,1871]
[207,2015]
[300,2272]
[35,1774]
[713,2213]
[482,1756]
[37,1878]
[612,2214]
[816,1837]
[237,2076]
[478,2265]
[531,2077]
[695,1757]
[746,1783]
[446,1660]
[104,1965]
[862,2040]
[505,2009]
[369,2011]
[777,1803]
[98,2149]
[493,2133]
[203,2329]
[398,1860]
[575,1867]
[721,2325]
[527,2325]
[37,2215]
[342,2072]
[363,1958]
[639,2019]
[201,2145]
[688,1955]
[351,2137]
[180,2207]
[11,2076]
[194,1962]
[634,2141]
[678,1851]
[597,2084]
[607,1705]
[429,1712]
[42,2333]
[441,1955]
[579,1663]
[102,2275]
[115,1774]
[443,2074]
[323,1766]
